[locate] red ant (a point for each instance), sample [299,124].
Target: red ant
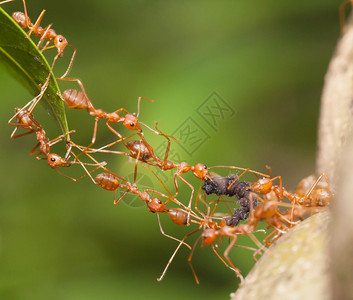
[26,120]
[55,161]
[313,197]
[210,235]
[111,182]
[79,100]
[141,150]
[47,34]
[317,196]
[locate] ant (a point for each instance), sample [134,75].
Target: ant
[313,197]
[54,160]
[111,182]
[317,196]
[26,121]
[210,235]
[79,100]
[45,34]
[141,150]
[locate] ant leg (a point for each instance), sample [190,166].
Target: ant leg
[169,236]
[34,150]
[259,251]
[220,257]
[19,135]
[93,138]
[255,240]
[226,255]
[188,208]
[243,169]
[198,196]
[123,195]
[70,64]
[171,197]
[42,38]
[279,193]
[60,137]
[121,109]
[77,179]
[77,161]
[169,142]
[46,30]
[265,240]
[138,104]
[79,82]
[37,23]
[101,165]
[309,194]
[102,149]
[175,252]
[6,1]
[190,258]
[136,162]
[45,86]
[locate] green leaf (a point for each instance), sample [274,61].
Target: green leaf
[21,58]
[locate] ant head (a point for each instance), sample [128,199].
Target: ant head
[200,171]
[131,122]
[60,43]
[209,236]
[55,160]
[156,205]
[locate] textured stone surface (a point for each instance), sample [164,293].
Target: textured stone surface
[335,124]
[296,267]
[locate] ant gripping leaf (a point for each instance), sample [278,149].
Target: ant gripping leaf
[20,58]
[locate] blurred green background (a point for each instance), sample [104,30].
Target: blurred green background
[265,59]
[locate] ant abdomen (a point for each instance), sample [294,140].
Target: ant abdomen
[178,216]
[75,99]
[20,19]
[107,181]
[138,148]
